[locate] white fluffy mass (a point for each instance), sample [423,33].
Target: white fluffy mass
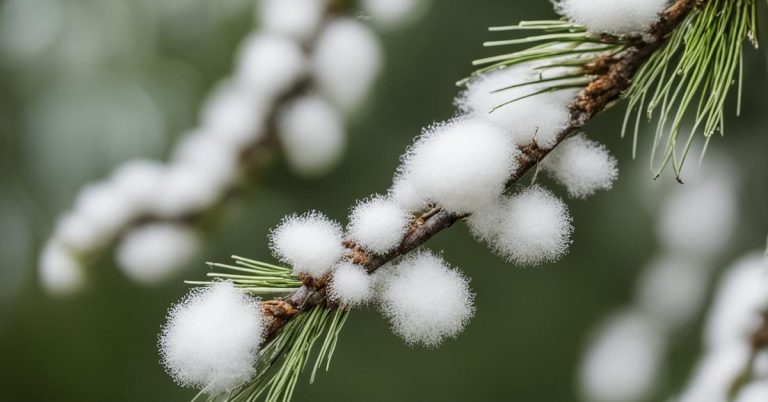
[391,14]
[105,208]
[714,374]
[212,338]
[298,19]
[462,165]
[534,227]
[618,17]
[699,217]
[346,61]
[155,252]
[623,361]
[425,300]
[378,224]
[404,193]
[754,392]
[742,295]
[234,117]
[351,284]
[536,119]
[188,188]
[581,165]
[59,271]
[312,134]
[269,64]
[310,243]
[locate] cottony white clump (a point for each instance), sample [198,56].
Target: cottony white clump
[233,116]
[346,61]
[60,273]
[152,253]
[581,165]
[485,224]
[188,188]
[462,165]
[205,153]
[714,375]
[618,17]
[310,243]
[76,232]
[404,193]
[425,300]
[535,119]
[312,134]
[672,288]
[535,227]
[391,14]
[378,224]
[298,19]
[754,392]
[741,297]
[138,181]
[698,218]
[351,284]
[212,338]
[269,65]
[104,207]
[623,361]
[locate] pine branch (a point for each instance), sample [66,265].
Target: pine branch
[614,73]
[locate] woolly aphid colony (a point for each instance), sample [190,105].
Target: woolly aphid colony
[295,78]
[462,166]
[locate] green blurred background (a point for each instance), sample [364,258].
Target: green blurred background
[87,84]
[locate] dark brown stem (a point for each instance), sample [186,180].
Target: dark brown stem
[615,77]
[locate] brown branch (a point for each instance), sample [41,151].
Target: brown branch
[616,72]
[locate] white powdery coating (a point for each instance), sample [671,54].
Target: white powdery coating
[671,289]
[351,284]
[390,14]
[425,300]
[535,119]
[623,360]
[535,227]
[618,17]
[346,61]
[742,295]
[155,252]
[212,338]
[233,116]
[698,218]
[269,65]
[461,165]
[714,375]
[581,165]
[312,134]
[378,224]
[298,19]
[310,243]
[754,392]
[60,273]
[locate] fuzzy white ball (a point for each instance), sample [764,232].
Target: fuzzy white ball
[212,338]
[535,227]
[618,17]
[298,19]
[462,165]
[404,193]
[581,165]
[188,188]
[310,243]
[426,301]
[269,65]
[378,224]
[234,116]
[390,14]
[312,134]
[105,207]
[60,272]
[346,61]
[351,285]
[153,253]
[534,119]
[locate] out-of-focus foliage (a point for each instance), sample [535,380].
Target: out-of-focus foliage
[86,84]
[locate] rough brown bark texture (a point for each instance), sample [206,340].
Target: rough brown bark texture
[613,76]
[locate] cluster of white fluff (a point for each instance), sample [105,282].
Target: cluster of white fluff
[351,285]
[59,272]
[737,313]
[425,300]
[378,224]
[694,225]
[393,13]
[341,65]
[154,252]
[581,165]
[310,243]
[212,338]
[618,17]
